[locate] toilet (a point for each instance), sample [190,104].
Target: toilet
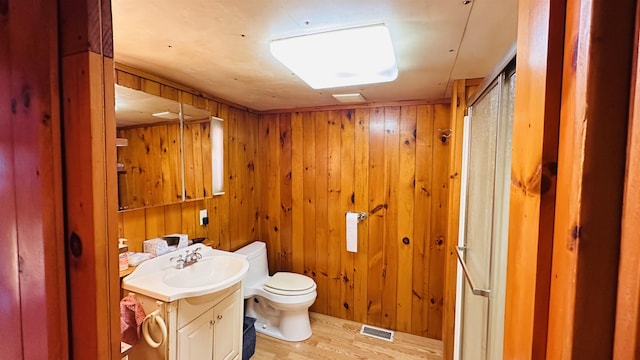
[279,303]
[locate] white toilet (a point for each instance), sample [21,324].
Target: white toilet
[280,303]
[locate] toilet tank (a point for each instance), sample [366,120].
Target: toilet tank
[256,254]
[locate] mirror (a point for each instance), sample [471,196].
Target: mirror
[197,146]
[150,165]
[168,152]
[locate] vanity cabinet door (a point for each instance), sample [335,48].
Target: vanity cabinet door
[195,340]
[227,334]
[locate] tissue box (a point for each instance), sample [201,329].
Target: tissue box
[156,247]
[183,240]
[165,244]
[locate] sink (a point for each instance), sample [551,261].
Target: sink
[209,270]
[159,278]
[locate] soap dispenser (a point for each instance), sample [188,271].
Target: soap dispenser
[123,256]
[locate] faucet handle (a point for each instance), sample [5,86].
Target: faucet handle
[179,261]
[197,254]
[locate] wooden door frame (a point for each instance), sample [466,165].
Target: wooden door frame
[91,204]
[534,163]
[583,248]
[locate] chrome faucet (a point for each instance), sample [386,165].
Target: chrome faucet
[179,261]
[190,258]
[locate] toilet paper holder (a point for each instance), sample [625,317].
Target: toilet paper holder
[361,215]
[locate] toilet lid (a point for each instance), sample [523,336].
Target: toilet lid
[285,283]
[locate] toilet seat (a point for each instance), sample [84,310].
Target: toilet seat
[291,284]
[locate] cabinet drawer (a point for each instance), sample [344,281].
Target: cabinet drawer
[190,308]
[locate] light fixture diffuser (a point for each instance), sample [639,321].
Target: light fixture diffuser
[353,56]
[349,98]
[169,115]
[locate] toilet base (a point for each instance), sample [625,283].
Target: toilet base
[288,325]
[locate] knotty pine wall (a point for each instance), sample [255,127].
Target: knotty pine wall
[389,162]
[291,177]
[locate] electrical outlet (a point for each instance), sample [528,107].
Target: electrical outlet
[203,215]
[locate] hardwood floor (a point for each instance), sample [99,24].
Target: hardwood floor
[335,339]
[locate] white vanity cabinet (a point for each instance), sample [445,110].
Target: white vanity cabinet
[198,328]
[195,311]
[215,333]
[210,326]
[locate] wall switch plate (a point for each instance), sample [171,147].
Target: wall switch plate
[203,215]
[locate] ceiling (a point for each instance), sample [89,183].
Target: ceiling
[221,47]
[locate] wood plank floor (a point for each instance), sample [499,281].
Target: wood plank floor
[335,339]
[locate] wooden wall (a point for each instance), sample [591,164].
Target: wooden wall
[292,176]
[594,118]
[534,163]
[387,161]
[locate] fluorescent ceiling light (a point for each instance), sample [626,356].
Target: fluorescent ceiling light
[349,98]
[354,56]
[170,115]
[167,115]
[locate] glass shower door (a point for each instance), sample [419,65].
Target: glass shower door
[484,220]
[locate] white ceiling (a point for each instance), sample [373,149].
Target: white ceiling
[221,47]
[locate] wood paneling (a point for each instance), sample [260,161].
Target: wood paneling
[371,160]
[9,280]
[32,273]
[292,176]
[361,196]
[91,204]
[533,189]
[591,166]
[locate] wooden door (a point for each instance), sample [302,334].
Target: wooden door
[32,277]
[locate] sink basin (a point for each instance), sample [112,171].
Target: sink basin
[207,271]
[159,278]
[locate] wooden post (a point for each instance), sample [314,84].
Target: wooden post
[591,165]
[90,173]
[534,164]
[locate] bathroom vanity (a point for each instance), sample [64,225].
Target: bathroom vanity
[195,312]
[210,326]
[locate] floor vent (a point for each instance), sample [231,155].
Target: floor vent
[377,333]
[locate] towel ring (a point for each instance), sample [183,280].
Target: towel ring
[157,319]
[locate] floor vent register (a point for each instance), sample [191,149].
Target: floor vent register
[377,333]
